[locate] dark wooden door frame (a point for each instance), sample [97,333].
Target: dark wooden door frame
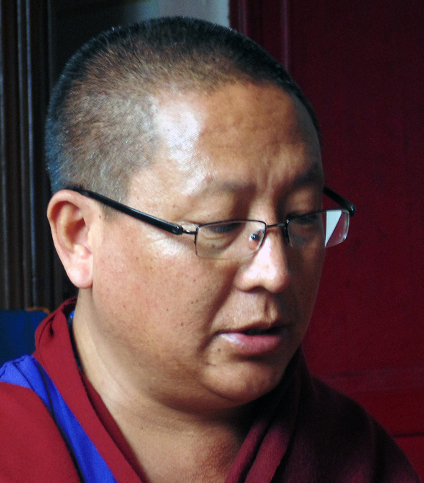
[27,273]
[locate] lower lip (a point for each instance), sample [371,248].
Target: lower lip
[254,345]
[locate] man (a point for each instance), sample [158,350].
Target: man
[181,361]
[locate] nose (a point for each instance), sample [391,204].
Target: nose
[268,268]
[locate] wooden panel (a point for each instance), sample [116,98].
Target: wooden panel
[26,273]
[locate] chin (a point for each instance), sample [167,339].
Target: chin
[253,384]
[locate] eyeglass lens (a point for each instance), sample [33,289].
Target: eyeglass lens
[239,239]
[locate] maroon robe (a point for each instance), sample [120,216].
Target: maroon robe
[304,430]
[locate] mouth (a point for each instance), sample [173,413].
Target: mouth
[257,331]
[257,340]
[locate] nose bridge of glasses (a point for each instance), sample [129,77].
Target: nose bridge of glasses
[280,228]
[271,255]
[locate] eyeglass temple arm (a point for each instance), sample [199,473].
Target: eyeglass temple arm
[343,202]
[178,229]
[152,220]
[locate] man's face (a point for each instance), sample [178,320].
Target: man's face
[196,333]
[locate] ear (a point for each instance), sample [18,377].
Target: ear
[70,216]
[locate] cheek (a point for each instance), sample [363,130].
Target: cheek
[160,283]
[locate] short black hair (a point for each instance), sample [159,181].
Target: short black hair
[100,124]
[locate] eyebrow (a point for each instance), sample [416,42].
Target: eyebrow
[314,174]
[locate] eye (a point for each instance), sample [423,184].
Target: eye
[307,219]
[304,229]
[231,239]
[220,229]
[220,236]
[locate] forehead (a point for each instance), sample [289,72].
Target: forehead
[240,136]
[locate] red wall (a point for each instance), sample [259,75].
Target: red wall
[362,66]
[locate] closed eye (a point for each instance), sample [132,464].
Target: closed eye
[307,219]
[221,228]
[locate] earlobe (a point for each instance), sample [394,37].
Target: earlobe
[70,217]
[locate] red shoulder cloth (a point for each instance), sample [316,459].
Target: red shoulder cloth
[304,431]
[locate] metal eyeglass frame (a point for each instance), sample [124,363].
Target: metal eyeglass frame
[176,229]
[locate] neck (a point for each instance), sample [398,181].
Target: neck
[172,442]
[171,446]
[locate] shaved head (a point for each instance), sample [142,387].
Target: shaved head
[101,122]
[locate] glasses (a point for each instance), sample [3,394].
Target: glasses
[236,239]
